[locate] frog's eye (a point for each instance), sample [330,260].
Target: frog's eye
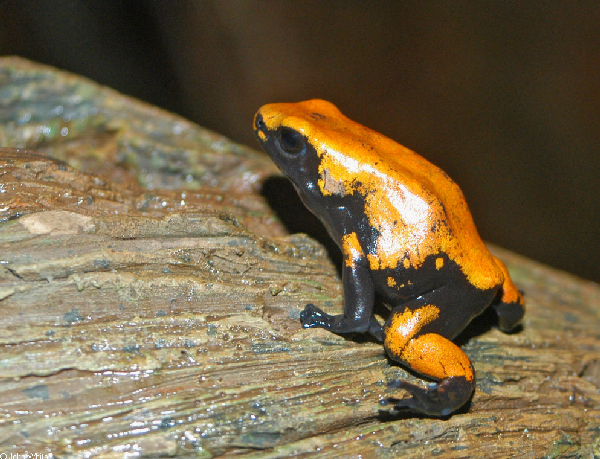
[290,141]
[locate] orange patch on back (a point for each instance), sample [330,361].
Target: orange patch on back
[405,195]
[373,262]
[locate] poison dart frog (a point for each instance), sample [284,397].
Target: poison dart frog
[406,234]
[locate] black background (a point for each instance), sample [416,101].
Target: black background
[504,96]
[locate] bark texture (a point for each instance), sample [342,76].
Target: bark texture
[149,304]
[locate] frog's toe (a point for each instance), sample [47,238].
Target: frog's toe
[376,330]
[439,399]
[312,316]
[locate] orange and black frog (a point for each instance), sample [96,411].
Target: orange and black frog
[406,234]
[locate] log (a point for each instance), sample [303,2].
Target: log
[150,299]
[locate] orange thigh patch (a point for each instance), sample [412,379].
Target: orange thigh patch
[437,357]
[429,354]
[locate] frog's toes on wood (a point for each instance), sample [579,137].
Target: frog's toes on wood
[311,316]
[439,399]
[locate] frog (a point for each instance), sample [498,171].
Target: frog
[407,238]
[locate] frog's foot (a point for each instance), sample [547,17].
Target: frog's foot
[510,304]
[311,316]
[376,330]
[509,315]
[439,399]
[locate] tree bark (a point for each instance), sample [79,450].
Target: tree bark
[150,301]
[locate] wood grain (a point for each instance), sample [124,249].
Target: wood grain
[149,304]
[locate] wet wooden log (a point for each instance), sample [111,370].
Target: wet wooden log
[149,303]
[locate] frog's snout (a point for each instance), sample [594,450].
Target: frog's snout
[259,122]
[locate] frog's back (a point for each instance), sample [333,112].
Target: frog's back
[416,204]
[448,219]
[416,208]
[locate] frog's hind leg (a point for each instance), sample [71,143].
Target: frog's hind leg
[509,305]
[431,355]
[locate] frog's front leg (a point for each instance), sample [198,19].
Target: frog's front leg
[359,297]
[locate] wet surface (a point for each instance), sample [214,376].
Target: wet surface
[149,305]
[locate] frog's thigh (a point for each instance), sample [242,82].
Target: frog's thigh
[511,307]
[429,354]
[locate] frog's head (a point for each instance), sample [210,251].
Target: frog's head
[288,134]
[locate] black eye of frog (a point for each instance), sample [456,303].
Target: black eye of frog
[291,142]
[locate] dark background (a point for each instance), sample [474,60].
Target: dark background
[504,96]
